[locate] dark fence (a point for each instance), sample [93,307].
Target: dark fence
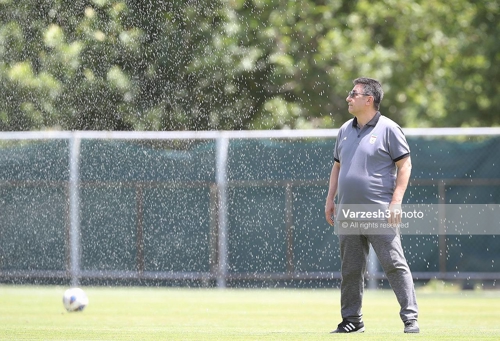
[149,210]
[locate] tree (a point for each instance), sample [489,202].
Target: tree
[244,64]
[442,56]
[433,57]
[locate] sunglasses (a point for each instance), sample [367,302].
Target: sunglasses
[353,94]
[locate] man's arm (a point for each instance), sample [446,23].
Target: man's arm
[332,191]
[402,178]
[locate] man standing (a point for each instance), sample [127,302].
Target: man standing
[371,167]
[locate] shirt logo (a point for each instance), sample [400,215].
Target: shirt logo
[373,138]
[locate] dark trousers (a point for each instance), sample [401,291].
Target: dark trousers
[354,250]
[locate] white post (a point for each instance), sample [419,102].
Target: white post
[222,147]
[74,208]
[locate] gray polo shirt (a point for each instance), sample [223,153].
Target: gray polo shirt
[367,160]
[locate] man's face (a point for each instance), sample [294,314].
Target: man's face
[357,100]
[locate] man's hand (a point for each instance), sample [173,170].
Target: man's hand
[330,211]
[402,178]
[332,190]
[395,214]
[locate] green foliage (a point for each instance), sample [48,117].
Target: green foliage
[244,64]
[443,55]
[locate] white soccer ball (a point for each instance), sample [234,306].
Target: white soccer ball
[75,299]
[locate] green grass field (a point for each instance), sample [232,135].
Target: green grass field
[37,313]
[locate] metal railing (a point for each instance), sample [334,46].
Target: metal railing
[219,207]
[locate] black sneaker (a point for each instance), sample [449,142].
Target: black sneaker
[411,326]
[350,327]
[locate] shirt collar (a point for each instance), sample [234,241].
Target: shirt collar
[372,122]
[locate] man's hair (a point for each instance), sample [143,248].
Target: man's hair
[373,88]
